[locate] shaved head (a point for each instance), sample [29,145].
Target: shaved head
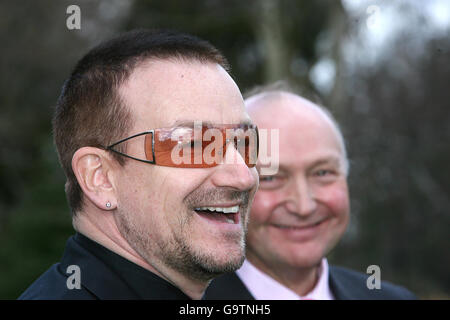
[282,109]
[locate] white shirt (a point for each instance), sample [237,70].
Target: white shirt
[263,287]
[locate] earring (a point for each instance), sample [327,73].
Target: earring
[108,204]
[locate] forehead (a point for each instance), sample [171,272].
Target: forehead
[162,93]
[306,135]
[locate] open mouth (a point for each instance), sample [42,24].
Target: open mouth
[228,215]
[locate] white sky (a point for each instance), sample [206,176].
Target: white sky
[379,24]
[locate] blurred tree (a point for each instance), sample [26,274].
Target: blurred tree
[37,54]
[264,40]
[396,125]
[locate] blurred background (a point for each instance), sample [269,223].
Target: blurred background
[381,67]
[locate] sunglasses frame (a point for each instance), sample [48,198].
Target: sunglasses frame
[110,147]
[152,132]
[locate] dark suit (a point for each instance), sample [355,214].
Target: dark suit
[104,275]
[345,284]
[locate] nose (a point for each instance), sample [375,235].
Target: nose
[234,172]
[302,200]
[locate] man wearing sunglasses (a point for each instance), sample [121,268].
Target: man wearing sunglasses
[300,212]
[159,155]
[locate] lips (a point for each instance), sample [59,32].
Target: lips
[221,214]
[298,232]
[299,227]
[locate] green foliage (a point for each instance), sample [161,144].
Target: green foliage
[36,229]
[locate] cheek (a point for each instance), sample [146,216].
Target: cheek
[138,199]
[262,207]
[174,194]
[129,190]
[170,192]
[149,194]
[337,200]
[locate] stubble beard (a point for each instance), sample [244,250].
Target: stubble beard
[184,256]
[181,253]
[205,264]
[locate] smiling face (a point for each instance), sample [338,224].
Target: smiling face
[165,212]
[300,213]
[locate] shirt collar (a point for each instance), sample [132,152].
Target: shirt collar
[263,287]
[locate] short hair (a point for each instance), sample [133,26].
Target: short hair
[281,86]
[90,111]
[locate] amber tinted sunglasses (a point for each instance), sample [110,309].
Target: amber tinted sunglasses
[197,146]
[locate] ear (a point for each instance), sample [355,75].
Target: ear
[93,170]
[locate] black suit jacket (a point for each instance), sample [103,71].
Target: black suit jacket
[345,284]
[104,275]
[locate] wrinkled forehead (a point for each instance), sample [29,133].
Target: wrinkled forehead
[164,93]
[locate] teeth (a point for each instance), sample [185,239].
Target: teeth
[219,209]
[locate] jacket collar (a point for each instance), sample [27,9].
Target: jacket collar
[108,275]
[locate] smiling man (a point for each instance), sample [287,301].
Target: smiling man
[300,213]
[147,226]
